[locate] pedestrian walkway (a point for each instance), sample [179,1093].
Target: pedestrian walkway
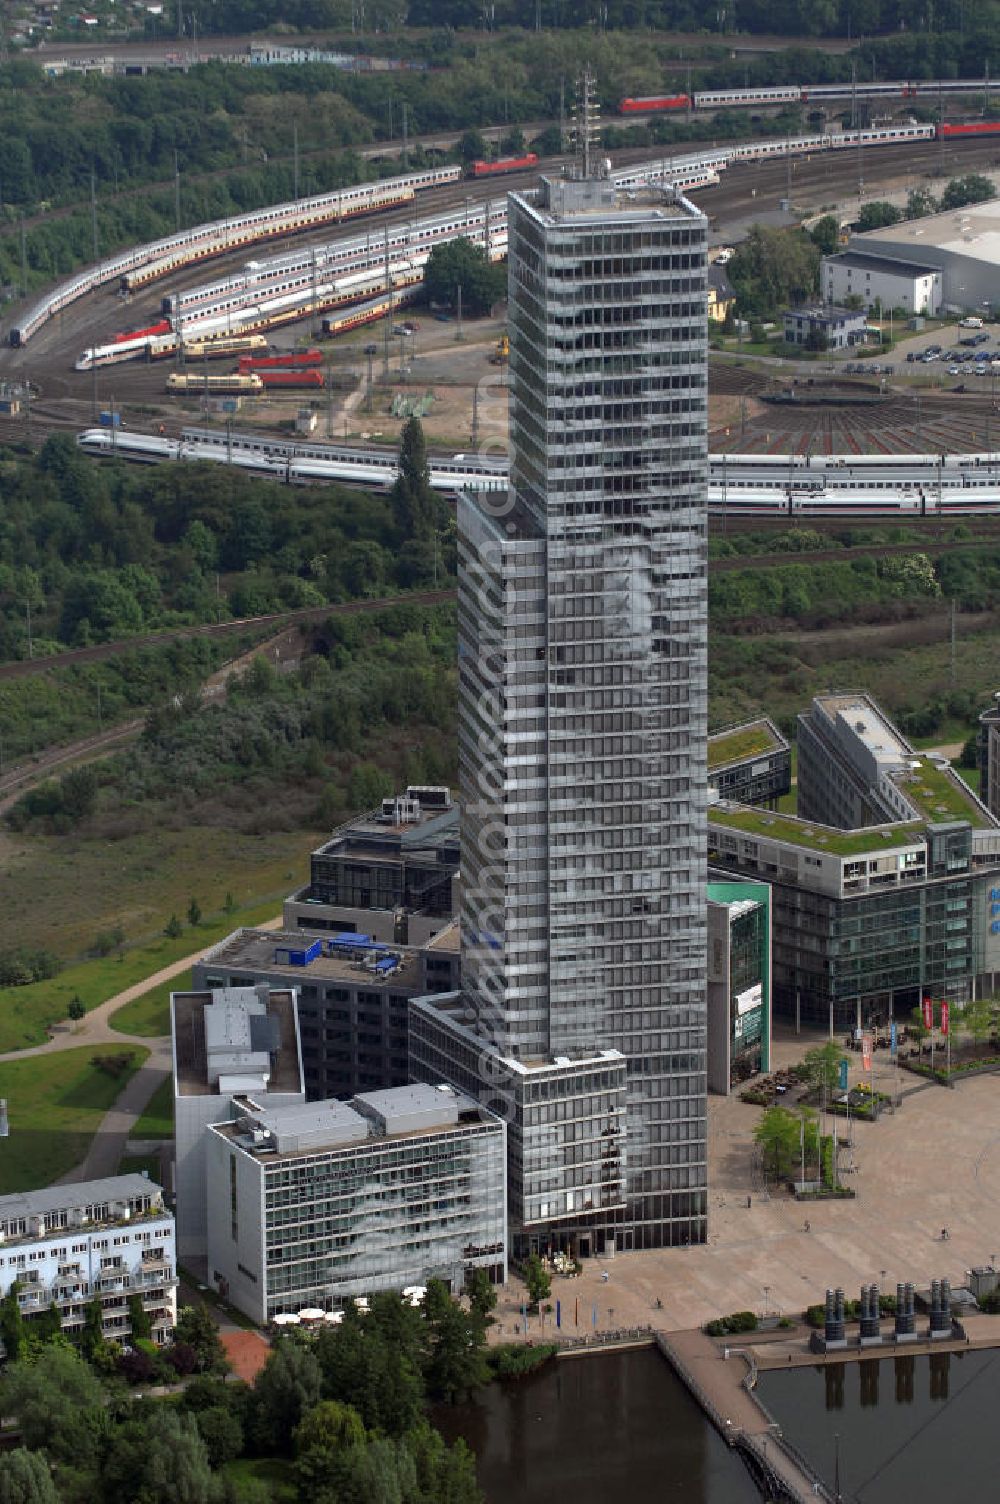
[718,1381]
[97,1029]
[110,1142]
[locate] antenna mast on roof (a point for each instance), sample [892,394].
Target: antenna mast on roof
[586,123]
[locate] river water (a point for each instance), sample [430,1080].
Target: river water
[580,1428]
[913,1430]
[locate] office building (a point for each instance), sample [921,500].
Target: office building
[739,983]
[883,886]
[750,763]
[226,1041]
[391,874]
[353,993]
[101,1240]
[316,1204]
[582,725]
[824,328]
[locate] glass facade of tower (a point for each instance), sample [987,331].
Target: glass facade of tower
[582,627]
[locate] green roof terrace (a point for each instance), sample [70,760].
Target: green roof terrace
[940,795]
[750,740]
[797,832]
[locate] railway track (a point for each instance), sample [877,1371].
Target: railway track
[26,668]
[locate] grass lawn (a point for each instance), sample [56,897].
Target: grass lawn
[149,1014]
[258,871]
[55,1104]
[135,1164]
[273,1472]
[158,1119]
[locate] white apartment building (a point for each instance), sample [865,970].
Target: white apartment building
[105,1240]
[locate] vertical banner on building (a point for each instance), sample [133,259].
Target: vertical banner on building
[593,1316]
[944,1015]
[928,1011]
[842,1075]
[866,1051]
[576,1313]
[558,1313]
[893,1039]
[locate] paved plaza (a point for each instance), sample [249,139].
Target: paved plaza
[934,1163]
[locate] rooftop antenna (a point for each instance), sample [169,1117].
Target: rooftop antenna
[586,123]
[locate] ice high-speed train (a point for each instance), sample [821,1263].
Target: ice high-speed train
[796,486]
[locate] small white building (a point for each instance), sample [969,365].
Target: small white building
[105,1240]
[316,1204]
[882,279]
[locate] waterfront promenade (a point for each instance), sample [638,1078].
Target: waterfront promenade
[935,1163]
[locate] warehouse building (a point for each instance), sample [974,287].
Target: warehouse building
[963,244]
[321,1203]
[883,280]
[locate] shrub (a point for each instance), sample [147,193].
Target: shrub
[511,1361]
[739,1321]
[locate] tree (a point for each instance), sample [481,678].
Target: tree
[779,1134]
[173,929]
[920,203]
[12,1324]
[286,1388]
[376,1368]
[973,188]
[537,1281]
[877,214]
[482,1295]
[367,786]
[823,1065]
[25,1478]
[460,264]
[772,269]
[416,507]
[194,913]
[456,1365]
[222,1434]
[92,1336]
[158,1459]
[196,1328]
[58,1404]
[825,234]
[77,1007]
[140,1323]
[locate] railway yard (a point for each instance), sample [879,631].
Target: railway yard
[830,413]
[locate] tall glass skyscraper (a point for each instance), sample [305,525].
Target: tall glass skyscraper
[582,641]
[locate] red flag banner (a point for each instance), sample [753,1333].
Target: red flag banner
[866,1051]
[944,1016]
[928,1011]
